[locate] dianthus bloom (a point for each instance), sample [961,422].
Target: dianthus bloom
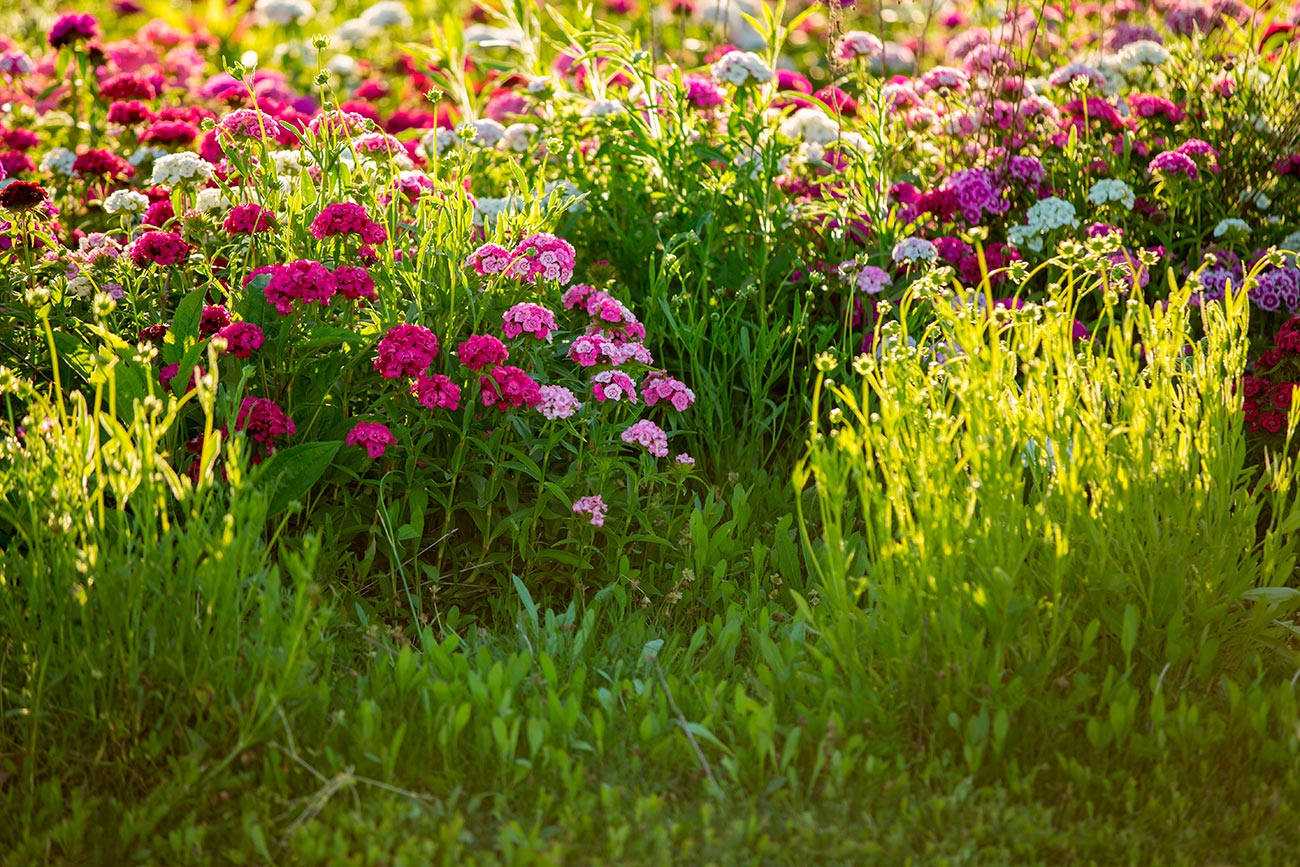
[945,78]
[347,218]
[248,220]
[102,164]
[436,392]
[685,459]
[557,402]
[914,249]
[857,43]
[592,349]
[507,387]
[1174,163]
[160,248]
[480,350]
[249,123]
[489,259]
[406,350]
[304,280]
[531,319]
[593,506]
[542,255]
[354,282]
[702,93]
[263,421]
[73,28]
[741,68]
[242,338]
[21,196]
[613,385]
[372,436]
[648,434]
[658,386]
[213,318]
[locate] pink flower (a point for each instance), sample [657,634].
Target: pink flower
[213,319]
[304,280]
[658,386]
[354,282]
[73,28]
[1174,163]
[543,255]
[685,459]
[592,349]
[248,220]
[242,338]
[347,218]
[372,436]
[480,350]
[406,350]
[613,385]
[557,402]
[489,259]
[249,123]
[507,387]
[593,506]
[858,43]
[532,319]
[263,422]
[159,248]
[436,392]
[648,434]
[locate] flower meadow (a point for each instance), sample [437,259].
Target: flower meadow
[649,433]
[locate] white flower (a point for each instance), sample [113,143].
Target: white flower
[811,125]
[284,12]
[180,169]
[1259,200]
[728,16]
[1018,235]
[487,132]
[211,201]
[604,108]
[1112,190]
[289,162]
[486,210]
[437,140]
[1231,226]
[1142,53]
[1291,243]
[538,85]
[1051,213]
[741,68]
[342,65]
[518,137]
[126,202]
[914,249]
[387,13]
[354,32]
[58,161]
[81,286]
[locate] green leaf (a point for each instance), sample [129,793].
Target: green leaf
[290,473]
[184,332]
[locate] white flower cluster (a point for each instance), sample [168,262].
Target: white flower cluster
[1112,190]
[914,249]
[486,210]
[741,68]
[211,201]
[811,125]
[1044,216]
[438,140]
[1142,53]
[730,17]
[126,202]
[1260,200]
[1232,226]
[284,12]
[387,13]
[180,169]
[58,161]
[486,132]
[604,108]
[518,137]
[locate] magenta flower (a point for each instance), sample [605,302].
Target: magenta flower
[248,220]
[557,402]
[159,248]
[436,392]
[507,387]
[242,338]
[372,436]
[489,259]
[305,281]
[613,385]
[73,28]
[213,319]
[262,421]
[543,255]
[354,282]
[658,386]
[347,218]
[1174,163]
[406,350]
[480,350]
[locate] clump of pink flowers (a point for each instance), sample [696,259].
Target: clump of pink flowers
[347,218]
[613,385]
[594,506]
[305,281]
[242,338]
[480,350]
[436,392]
[540,255]
[531,319]
[372,436]
[406,350]
[263,422]
[159,248]
[557,402]
[658,385]
[509,387]
[648,434]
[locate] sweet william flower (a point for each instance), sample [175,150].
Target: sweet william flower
[406,350]
[374,437]
[594,506]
